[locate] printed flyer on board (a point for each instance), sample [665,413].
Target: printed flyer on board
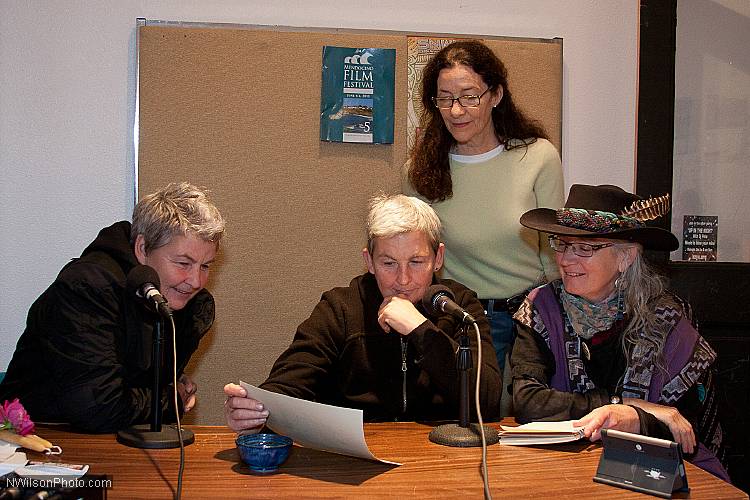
[357,95]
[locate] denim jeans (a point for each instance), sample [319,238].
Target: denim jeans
[503,332]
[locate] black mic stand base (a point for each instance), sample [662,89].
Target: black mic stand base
[141,436]
[463,437]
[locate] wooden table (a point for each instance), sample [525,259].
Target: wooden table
[213,469]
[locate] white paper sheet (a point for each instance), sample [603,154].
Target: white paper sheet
[46,470]
[7,450]
[315,425]
[11,462]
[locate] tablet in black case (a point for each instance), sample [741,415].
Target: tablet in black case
[641,463]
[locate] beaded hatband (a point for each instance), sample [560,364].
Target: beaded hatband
[593,220]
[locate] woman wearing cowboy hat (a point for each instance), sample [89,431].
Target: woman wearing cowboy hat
[607,344]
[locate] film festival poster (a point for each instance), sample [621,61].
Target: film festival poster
[357,95]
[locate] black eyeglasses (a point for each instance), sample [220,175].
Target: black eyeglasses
[580,249]
[466,101]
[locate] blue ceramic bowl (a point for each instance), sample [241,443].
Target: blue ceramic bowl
[263,452]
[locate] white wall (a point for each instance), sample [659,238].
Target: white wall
[67,94]
[712,122]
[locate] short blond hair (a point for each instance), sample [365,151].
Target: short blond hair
[179,208]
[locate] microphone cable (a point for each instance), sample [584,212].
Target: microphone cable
[178,493]
[485,474]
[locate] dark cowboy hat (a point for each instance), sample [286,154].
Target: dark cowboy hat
[605,212]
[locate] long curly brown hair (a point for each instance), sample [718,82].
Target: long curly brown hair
[429,169]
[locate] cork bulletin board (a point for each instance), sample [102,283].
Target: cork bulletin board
[236,108]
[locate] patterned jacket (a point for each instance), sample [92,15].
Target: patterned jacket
[551,368]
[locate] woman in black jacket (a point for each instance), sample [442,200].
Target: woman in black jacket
[85,356]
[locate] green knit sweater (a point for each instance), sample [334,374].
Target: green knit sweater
[487,249]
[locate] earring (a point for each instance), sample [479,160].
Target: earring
[620,286]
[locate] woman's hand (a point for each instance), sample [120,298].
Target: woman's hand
[619,417]
[241,412]
[186,388]
[399,314]
[682,431]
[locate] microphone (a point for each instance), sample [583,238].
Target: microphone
[439,299]
[144,282]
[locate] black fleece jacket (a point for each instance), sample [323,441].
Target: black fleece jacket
[85,356]
[340,355]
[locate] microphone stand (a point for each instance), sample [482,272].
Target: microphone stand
[154,435]
[463,434]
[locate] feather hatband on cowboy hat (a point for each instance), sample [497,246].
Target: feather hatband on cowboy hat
[606,212]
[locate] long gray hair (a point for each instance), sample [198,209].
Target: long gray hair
[644,290]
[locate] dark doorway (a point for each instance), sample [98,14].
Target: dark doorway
[719,292]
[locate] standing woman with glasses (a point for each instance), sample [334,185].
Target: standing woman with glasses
[482,163]
[607,345]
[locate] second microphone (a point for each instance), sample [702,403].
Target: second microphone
[440,299]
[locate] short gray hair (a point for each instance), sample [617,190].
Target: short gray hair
[390,215]
[178,209]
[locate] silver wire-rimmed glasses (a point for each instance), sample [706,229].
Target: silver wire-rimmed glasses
[580,249]
[466,101]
